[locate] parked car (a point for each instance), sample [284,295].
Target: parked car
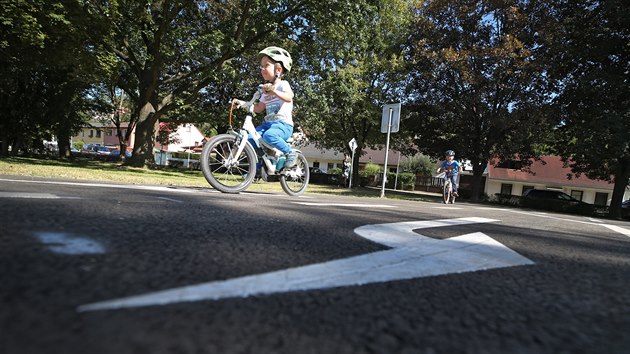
[102,150]
[555,201]
[625,209]
[547,194]
[90,148]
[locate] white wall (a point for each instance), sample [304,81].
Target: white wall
[588,196]
[186,135]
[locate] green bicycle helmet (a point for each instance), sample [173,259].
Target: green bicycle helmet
[279,55]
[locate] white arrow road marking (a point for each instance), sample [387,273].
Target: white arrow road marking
[619,229]
[412,256]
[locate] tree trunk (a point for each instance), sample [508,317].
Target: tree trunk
[4,145]
[477,188]
[143,145]
[63,143]
[621,183]
[145,137]
[355,166]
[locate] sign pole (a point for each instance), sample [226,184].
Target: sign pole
[353,146]
[389,128]
[350,173]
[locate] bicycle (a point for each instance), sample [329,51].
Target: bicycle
[229,161]
[447,190]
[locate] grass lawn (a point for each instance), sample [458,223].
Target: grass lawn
[94,170]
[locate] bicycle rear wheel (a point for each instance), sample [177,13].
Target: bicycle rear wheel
[224,171]
[294,180]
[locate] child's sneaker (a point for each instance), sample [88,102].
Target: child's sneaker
[455,194]
[291,160]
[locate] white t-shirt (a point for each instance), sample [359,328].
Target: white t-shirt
[275,105]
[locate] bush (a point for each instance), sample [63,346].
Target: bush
[335,171]
[371,169]
[405,180]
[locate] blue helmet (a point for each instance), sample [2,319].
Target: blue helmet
[450,153]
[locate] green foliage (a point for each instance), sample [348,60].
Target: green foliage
[45,71]
[589,58]
[404,180]
[371,169]
[417,164]
[78,144]
[344,80]
[335,171]
[476,88]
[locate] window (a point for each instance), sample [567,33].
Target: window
[527,188]
[91,133]
[316,164]
[506,189]
[577,194]
[98,133]
[601,199]
[511,164]
[110,132]
[330,166]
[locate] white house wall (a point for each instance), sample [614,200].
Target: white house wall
[494,187]
[185,138]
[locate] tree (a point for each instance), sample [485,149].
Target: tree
[476,87]
[349,72]
[174,50]
[45,69]
[588,53]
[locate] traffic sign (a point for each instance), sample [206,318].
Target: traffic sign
[390,111]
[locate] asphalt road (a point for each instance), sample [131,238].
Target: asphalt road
[87,268]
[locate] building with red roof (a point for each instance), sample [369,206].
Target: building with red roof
[549,173]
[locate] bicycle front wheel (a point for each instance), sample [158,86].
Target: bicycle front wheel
[294,180]
[446,192]
[225,171]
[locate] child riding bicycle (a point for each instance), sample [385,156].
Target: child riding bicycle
[451,169]
[276,100]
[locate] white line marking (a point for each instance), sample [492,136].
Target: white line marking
[619,229]
[63,243]
[103,185]
[592,222]
[412,256]
[347,205]
[28,195]
[447,207]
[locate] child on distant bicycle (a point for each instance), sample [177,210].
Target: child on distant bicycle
[451,169]
[276,100]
